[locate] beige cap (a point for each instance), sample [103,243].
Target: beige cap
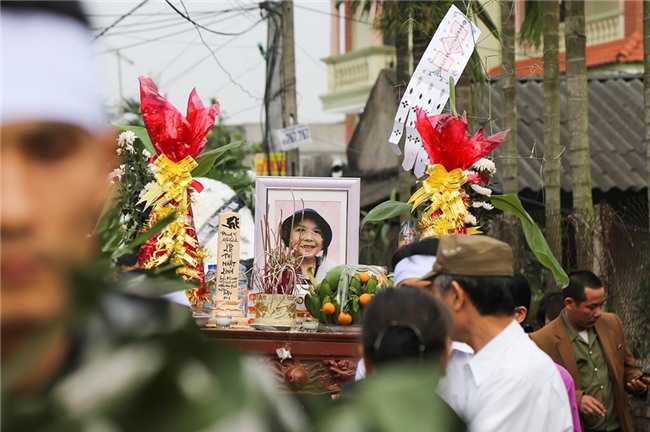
[472,255]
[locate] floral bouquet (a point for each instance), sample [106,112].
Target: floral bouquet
[178,141]
[458,176]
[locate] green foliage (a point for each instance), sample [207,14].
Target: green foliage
[531,28]
[533,235]
[231,167]
[386,210]
[124,216]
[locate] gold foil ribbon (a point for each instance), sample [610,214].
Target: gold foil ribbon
[169,194]
[447,211]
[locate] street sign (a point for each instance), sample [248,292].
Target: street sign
[293,136]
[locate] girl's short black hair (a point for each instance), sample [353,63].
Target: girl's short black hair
[307,214]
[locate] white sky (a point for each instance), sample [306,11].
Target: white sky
[155,41]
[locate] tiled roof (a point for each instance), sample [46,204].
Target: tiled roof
[628,50]
[616,133]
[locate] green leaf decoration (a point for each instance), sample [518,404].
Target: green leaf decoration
[207,159]
[142,135]
[386,210]
[510,203]
[452,96]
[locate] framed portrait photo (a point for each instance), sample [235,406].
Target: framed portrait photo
[322,212]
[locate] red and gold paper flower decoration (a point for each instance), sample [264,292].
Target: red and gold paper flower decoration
[178,140]
[451,151]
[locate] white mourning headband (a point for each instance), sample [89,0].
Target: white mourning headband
[414,266]
[48,71]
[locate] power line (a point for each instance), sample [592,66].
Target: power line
[197,25]
[212,52]
[345,17]
[103,32]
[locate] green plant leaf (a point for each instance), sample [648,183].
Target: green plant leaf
[510,203]
[386,210]
[142,135]
[207,159]
[452,96]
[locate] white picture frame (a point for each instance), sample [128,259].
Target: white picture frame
[337,200]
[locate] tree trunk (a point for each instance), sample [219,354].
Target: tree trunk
[405,179]
[552,150]
[576,80]
[511,232]
[646,90]
[509,96]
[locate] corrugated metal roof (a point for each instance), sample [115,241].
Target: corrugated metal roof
[616,133]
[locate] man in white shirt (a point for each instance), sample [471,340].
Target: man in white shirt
[410,262]
[508,384]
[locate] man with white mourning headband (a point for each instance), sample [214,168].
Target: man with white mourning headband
[68,362]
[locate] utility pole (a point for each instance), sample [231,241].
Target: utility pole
[290,111]
[280,92]
[273,98]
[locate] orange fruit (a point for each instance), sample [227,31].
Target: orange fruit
[329,308]
[364,277]
[383,280]
[364,299]
[345,318]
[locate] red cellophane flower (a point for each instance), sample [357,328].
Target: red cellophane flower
[447,142]
[171,133]
[178,138]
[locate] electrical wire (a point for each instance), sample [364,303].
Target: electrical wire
[347,18]
[116,22]
[197,25]
[212,52]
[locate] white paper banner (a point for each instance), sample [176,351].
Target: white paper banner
[445,57]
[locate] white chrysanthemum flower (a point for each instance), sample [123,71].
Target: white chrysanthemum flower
[146,153]
[482,204]
[117,173]
[470,219]
[481,190]
[146,188]
[485,164]
[153,168]
[126,137]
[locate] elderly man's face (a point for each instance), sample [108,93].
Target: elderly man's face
[53,183]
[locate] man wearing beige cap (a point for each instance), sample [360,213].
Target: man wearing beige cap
[509,384]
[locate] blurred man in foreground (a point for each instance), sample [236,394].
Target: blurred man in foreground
[76,355]
[510,385]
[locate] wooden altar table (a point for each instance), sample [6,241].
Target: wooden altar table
[320,362]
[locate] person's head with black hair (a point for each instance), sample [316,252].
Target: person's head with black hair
[584,299]
[404,325]
[473,275]
[550,307]
[412,261]
[309,235]
[521,295]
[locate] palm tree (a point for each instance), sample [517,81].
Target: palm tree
[552,165]
[509,91]
[418,21]
[576,81]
